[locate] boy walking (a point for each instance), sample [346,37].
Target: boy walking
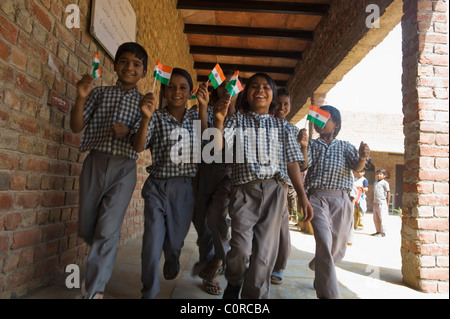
[381,198]
[108,177]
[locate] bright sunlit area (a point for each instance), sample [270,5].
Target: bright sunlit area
[374,85]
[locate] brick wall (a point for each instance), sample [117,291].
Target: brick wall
[40,63]
[426,189]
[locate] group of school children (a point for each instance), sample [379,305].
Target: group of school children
[237,208]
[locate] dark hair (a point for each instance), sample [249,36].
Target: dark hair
[181,72]
[214,94]
[283,92]
[134,48]
[243,103]
[382,171]
[335,115]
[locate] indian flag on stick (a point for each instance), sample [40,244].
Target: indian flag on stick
[217,77]
[97,68]
[234,86]
[318,116]
[194,95]
[162,73]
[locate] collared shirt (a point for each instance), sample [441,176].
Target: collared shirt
[107,105]
[380,189]
[173,145]
[330,167]
[262,148]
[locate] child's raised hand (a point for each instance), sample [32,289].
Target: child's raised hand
[221,108]
[302,138]
[203,95]
[85,86]
[147,105]
[364,151]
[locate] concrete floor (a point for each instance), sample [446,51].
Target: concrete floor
[371,269]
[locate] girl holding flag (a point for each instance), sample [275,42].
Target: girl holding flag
[328,182]
[258,192]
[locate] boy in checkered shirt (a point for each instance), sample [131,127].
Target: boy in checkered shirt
[105,115]
[328,182]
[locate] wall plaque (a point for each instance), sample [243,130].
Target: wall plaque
[113,23]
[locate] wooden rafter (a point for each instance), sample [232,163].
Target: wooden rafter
[255,6]
[245,68]
[253,53]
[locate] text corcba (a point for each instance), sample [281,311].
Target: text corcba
[240,308]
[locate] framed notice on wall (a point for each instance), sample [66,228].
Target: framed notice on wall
[113,23]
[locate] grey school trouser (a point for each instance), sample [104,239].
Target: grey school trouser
[284,248]
[168,212]
[107,183]
[256,210]
[331,224]
[212,196]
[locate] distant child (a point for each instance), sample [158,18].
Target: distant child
[329,181]
[281,111]
[360,206]
[168,191]
[381,198]
[258,192]
[108,177]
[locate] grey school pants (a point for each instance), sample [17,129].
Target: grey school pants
[256,210]
[331,223]
[168,212]
[107,183]
[212,196]
[284,248]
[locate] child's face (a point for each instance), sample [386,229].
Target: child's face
[359,174]
[283,106]
[329,128]
[178,92]
[129,69]
[380,176]
[259,95]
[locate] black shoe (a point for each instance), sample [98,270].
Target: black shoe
[231,292]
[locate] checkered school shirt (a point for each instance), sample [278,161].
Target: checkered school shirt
[287,150]
[160,128]
[107,105]
[329,167]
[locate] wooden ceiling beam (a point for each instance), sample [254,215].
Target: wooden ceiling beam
[205,50]
[255,6]
[244,68]
[248,32]
[279,83]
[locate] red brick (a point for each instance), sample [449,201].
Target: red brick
[433,151]
[23,123]
[4,243]
[53,199]
[26,238]
[6,202]
[12,221]
[29,86]
[28,200]
[72,139]
[433,175]
[19,277]
[436,224]
[4,50]
[42,15]
[35,164]
[8,30]
[52,232]
[47,266]
[433,273]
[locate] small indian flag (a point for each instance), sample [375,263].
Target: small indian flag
[162,73]
[234,86]
[194,95]
[97,68]
[217,77]
[318,116]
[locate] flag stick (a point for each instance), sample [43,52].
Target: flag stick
[154,84]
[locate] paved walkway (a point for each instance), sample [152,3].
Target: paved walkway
[371,269]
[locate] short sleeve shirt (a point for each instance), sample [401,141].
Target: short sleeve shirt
[105,106]
[380,189]
[261,145]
